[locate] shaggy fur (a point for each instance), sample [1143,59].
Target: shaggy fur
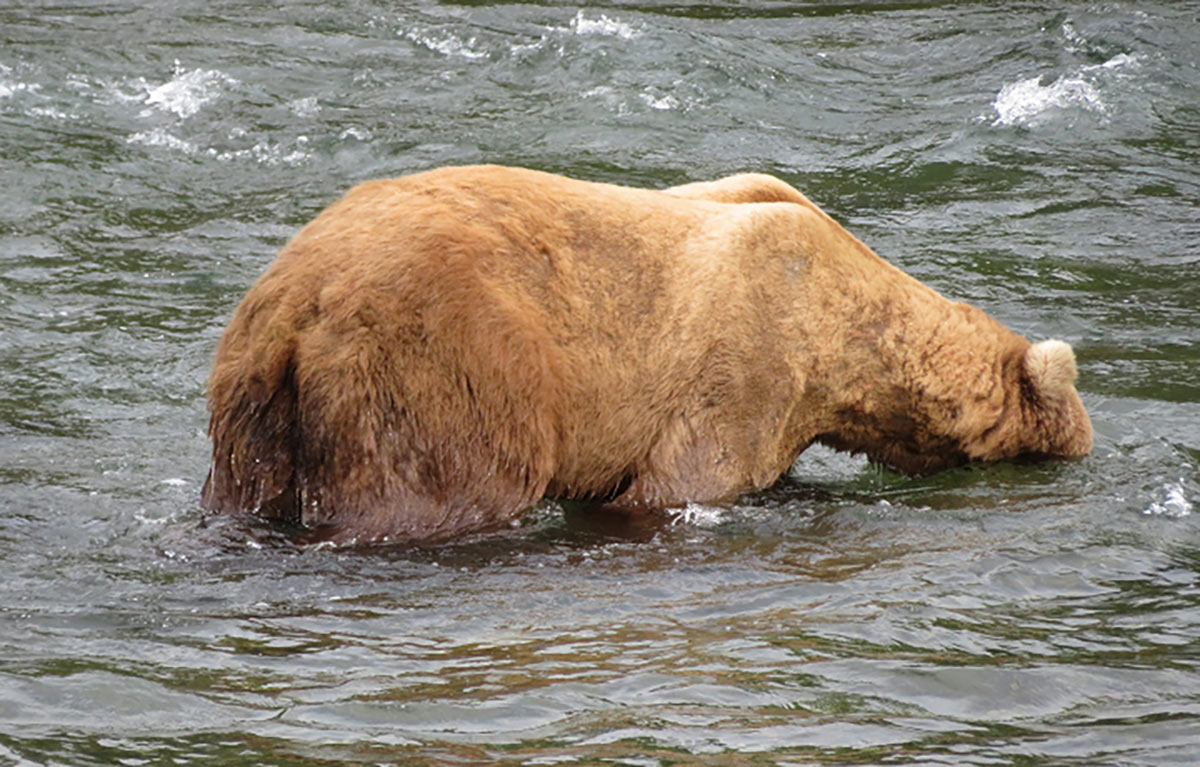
[433,354]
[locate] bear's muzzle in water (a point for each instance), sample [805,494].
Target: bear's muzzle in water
[434,354]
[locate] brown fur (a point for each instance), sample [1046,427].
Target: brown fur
[433,354]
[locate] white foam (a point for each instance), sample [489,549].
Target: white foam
[600,91]
[1120,61]
[697,515]
[305,107]
[520,49]
[188,91]
[161,138]
[446,44]
[582,25]
[263,152]
[1019,103]
[651,97]
[1170,501]
[54,114]
[362,134]
[10,88]
[665,102]
[1023,102]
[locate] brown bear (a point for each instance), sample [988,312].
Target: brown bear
[433,354]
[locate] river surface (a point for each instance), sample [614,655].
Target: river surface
[1040,160]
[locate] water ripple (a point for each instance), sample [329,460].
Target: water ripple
[1041,163]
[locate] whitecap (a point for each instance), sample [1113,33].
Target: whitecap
[651,97]
[522,49]
[446,44]
[305,107]
[54,113]
[582,25]
[1170,501]
[188,91]
[263,152]
[1023,102]
[600,91]
[354,132]
[10,88]
[1120,61]
[665,102]
[1020,102]
[266,153]
[160,137]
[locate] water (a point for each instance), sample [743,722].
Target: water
[1040,161]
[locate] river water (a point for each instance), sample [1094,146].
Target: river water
[1039,160]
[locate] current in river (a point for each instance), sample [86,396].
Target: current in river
[1038,160]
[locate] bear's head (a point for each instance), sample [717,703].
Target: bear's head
[1041,415]
[1055,424]
[1024,407]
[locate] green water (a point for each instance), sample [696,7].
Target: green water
[1038,160]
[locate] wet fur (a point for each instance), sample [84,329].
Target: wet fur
[435,353]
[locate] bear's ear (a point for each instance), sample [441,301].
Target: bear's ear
[1050,368]
[1062,427]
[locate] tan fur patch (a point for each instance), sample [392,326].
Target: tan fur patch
[433,354]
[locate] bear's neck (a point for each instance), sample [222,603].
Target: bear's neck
[922,379]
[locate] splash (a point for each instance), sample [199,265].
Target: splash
[189,90]
[663,102]
[447,44]
[1019,103]
[581,25]
[1170,501]
[697,515]
[1023,102]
